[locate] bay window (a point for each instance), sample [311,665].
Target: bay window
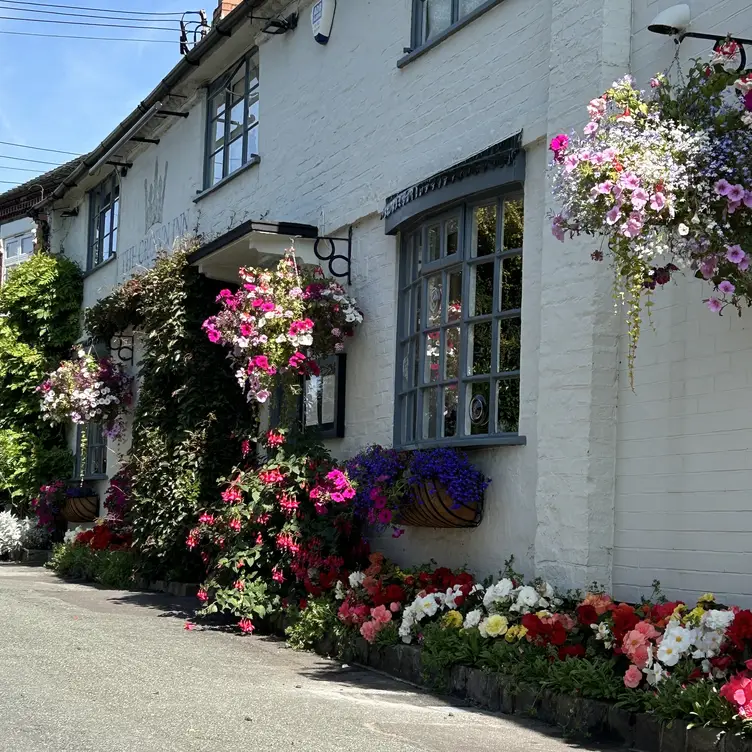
[458,379]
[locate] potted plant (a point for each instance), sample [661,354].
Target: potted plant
[87,389]
[428,488]
[81,504]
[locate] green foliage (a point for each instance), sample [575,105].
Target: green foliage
[115,313]
[594,678]
[191,415]
[41,302]
[314,623]
[697,702]
[112,569]
[446,647]
[29,460]
[39,322]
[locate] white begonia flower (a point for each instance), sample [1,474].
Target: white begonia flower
[655,675]
[682,229]
[339,591]
[355,579]
[473,619]
[717,620]
[502,589]
[527,596]
[427,606]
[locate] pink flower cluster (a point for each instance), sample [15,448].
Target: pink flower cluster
[334,488]
[380,617]
[281,322]
[735,195]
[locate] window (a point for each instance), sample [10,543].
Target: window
[91,452]
[104,208]
[17,249]
[431,17]
[459,325]
[233,116]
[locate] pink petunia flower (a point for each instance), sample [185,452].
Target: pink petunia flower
[613,214]
[722,187]
[639,198]
[735,193]
[714,305]
[657,201]
[590,128]
[735,254]
[629,180]
[726,287]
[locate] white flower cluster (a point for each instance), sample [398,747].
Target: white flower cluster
[13,531]
[523,599]
[427,605]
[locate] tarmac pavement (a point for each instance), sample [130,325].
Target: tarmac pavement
[90,670]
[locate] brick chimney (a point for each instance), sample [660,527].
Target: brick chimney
[224,8]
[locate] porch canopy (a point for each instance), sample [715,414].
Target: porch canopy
[254,243]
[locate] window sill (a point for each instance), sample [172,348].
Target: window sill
[101,265]
[254,160]
[482,442]
[439,38]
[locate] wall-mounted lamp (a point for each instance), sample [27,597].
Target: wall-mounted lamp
[674,22]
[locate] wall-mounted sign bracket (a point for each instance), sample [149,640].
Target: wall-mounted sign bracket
[325,249]
[122,346]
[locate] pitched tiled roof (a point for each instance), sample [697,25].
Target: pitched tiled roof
[18,201]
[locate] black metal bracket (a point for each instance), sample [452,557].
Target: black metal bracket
[142,140]
[122,346]
[277,25]
[114,163]
[173,113]
[332,258]
[719,39]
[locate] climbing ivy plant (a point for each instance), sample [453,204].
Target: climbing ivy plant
[40,308]
[190,418]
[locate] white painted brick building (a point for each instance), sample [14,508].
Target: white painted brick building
[611,484]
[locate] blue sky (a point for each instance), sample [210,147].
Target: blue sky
[69,94]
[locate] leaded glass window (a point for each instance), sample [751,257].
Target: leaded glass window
[460,324]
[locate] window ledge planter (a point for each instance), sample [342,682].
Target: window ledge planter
[80,508]
[432,506]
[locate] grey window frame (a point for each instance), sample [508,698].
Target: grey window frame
[96,453]
[419,11]
[221,87]
[99,252]
[415,337]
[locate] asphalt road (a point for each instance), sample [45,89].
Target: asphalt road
[92,670]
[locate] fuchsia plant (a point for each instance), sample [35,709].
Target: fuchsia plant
[279,322]
[666,180]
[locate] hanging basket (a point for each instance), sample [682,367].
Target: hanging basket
[80,509]
[431,506]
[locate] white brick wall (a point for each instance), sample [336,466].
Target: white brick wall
[684,470]
[607,475]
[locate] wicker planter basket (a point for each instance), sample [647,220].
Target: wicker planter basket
[431,506]
[80,509]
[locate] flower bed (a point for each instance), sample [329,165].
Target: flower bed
[102,554]
[668,660]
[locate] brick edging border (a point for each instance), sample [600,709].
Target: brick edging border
[576,716]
